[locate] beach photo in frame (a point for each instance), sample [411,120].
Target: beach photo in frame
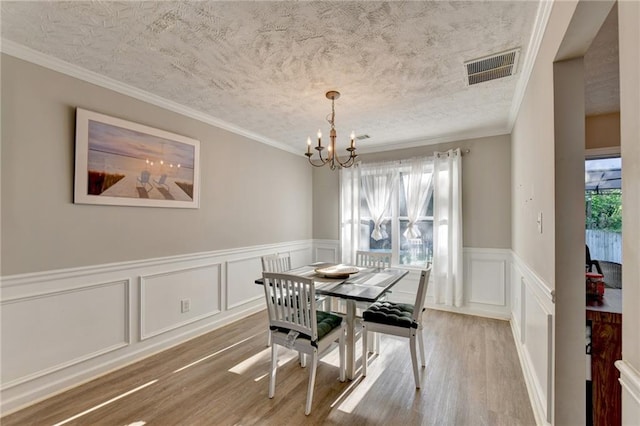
[122,163]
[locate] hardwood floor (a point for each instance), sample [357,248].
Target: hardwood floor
[473,377]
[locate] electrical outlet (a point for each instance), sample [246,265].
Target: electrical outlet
[185,305]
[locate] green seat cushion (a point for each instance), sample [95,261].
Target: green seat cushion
[383,312]
[326,323]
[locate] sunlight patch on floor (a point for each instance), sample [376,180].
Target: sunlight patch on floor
[259,358]
[106,403]
[352,396]
[215,353]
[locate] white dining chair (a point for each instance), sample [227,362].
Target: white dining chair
[378,260]
[398,319]
[373,259]
[277,262]
[295,323]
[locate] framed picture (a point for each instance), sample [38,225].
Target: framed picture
[128,164]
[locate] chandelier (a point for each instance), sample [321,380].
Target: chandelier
[332,156]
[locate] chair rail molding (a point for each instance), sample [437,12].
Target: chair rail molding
[133,309]
[630,381]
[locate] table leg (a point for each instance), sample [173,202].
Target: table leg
[351,339]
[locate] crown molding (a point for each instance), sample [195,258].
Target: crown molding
[19,51]
[539,27]
[453,137]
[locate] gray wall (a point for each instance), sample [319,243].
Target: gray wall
[486,191]
[43,230]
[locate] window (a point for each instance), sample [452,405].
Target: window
[410,242]
[603,208]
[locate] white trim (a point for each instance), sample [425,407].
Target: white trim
[546,293]
[610,151]
[19,51]
[630,380]
[539,27]
[38,277]
[452,137]
[22,52]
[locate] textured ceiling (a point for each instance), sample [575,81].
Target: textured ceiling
[602,71]
[264,67]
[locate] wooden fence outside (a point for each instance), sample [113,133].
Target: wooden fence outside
[604,245]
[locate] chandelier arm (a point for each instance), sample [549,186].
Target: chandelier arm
[348,162]
[316,165]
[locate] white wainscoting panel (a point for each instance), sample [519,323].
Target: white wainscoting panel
[486,284]
[630,381]
[532,316]
[161,297]
[241,276]
[64,327]
[301,257]
[487,280]
[327,251]
[49,321]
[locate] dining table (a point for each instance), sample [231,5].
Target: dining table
[365,285]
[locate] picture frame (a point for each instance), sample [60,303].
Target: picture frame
[122,163]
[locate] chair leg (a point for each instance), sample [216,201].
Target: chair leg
[302,358]
[312,381]
[364,350]
[274,367]
[343,357]
[376,343]
[268,338]
[421,343]
[414,359]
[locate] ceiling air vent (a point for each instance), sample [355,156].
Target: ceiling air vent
[492,67]
[361,137]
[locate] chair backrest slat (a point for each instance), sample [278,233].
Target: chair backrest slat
[277,262]
[372,259]
[291,302]
[421,294]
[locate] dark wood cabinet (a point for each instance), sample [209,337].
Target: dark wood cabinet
[606,349]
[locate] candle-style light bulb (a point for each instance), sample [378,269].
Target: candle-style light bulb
[353,138]
[308,145]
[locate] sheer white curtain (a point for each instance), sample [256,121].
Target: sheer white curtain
[375,182]
[349,213]
[417,191]
[447,228]
[377,185]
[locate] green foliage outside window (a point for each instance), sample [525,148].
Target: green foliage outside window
[604,210]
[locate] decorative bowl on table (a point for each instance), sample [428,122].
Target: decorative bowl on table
[337,271]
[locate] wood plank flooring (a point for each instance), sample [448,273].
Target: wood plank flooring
[472,377]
